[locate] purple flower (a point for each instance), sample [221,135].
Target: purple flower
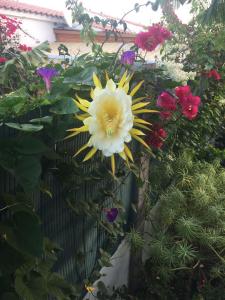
[128,57]
[47,74]
[111,214]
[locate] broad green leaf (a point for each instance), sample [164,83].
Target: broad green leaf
[43,120]
[64,107]
[25,127]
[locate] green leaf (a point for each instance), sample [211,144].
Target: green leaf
[28,171]
[9,296]
[24,234]
[64,107]
[84,77]
[25,127]
[43,120]
[31,145]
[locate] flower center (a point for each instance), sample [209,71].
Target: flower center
[110,116]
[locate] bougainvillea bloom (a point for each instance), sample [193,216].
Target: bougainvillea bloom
[156,137]
[149,40]
[182,92]
[111,214]
[3,59]
[25,48]
[128,57]
[189,103]
[47,74]
[190,111]
[166,101]
[214,74]
[110,119]
[10,25]
[165,115]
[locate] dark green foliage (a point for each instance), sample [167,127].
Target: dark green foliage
[186,244]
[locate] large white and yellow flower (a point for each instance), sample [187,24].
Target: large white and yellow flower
[111,118]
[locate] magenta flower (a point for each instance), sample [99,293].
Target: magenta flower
[111,214]
[166,101]
[47,74]
[128,57]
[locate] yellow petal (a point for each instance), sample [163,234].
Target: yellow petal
[123,155]
[97,82]
[128,152]
[141,121]
[126,87]
[83,102]
[142,111]
[140,140]
[139,105]
[136,100]
[90,154]
[136,132]
[80,106]
[79,129]
[141,126]
[81,149]
[123,80]
[92,94]
[82,117]
[136,88]
[71,135]
[113,164]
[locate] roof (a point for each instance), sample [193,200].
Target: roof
[25,7]
[115,18]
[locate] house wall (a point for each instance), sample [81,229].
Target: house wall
[37,28]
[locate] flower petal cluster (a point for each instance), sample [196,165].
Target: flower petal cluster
[214,74]
[156,137]
[10,25]
[149,40]
[184,98]
[189,103]
[24,48]
[111,214]
[111,119]
[175,71]
[3,59]
[47,74]
[128,57]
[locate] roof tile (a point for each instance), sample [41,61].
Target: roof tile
[20,6]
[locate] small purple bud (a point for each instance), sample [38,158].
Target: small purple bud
[128,57]
[111,214]
[47,74]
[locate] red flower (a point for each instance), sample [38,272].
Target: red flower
[3,59]
[165,100]
[150,39]
[213,73]
[189,103]
[190,111]
[165,115]
[156,136]
[182,92]
[24,48]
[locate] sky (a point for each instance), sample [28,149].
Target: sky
[116,8]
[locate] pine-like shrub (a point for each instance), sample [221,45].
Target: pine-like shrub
[186,251]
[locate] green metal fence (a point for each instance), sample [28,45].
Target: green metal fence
[75,234]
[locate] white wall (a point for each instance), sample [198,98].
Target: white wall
[39,28]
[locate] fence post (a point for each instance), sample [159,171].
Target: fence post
[135,270]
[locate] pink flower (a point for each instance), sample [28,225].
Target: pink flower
[165,115]
[166,101]
[156,136]
[190,111]
[24,48]
[3,59]
[149,40]
[182,92]
[213,73]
